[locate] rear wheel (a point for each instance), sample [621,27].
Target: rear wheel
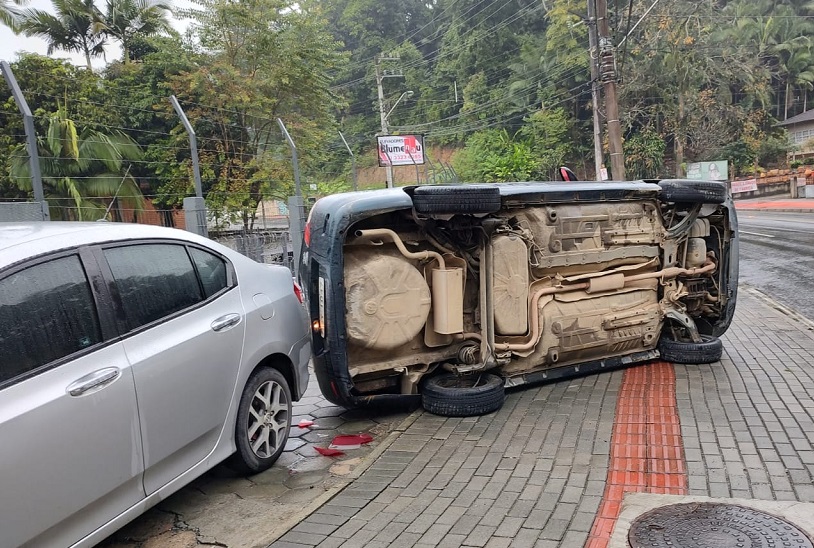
[709,350]
[263,422]
[462,396]
[458,199]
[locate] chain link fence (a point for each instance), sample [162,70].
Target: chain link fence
[263,246]
[20,212]
[272,245]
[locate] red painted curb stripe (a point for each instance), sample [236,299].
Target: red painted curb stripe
[647,452]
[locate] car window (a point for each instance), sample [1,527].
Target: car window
[47,312]
[211,269]
[154,281]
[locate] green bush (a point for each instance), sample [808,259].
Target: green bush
[494,156]
[644,155]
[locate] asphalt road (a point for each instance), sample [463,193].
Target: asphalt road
[777,256]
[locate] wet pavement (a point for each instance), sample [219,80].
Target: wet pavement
[223,509]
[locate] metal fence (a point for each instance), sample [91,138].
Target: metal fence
[20,212]
[263,246]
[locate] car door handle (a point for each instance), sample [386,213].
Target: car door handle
[94,380]
[225,321]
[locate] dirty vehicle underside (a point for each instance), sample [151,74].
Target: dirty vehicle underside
[466,283]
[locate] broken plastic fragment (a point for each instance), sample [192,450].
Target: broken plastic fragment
[306,423]
[350,442]
[328,452]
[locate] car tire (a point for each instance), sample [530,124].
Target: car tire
[450,200]
[709,350]
[451,395]
[268,395]
[689,191]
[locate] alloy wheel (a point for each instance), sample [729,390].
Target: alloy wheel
[268,419]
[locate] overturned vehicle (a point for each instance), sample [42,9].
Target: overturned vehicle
[450,293]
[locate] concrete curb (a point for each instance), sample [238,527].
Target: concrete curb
[369,459]
[790,312]
[772,209]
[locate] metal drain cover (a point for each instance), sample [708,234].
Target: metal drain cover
[713,525]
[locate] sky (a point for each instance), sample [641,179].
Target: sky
[11,44]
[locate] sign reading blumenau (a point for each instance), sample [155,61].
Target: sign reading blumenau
[401,150]
[709,171]
[744,186]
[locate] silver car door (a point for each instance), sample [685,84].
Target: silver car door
[185,345]
[71,457]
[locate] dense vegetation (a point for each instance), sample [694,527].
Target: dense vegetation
[506,83]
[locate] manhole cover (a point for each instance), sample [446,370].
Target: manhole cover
[713,525]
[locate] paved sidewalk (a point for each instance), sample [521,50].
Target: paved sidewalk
[776,203]
[222,508]
[559,462]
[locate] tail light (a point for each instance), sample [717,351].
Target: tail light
[307,234]
[298,291]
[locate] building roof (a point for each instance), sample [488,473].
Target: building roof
[807,116]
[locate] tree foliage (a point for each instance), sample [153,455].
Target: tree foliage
[504,84]
[126,21]
[83,170]
[9,13]
[73,28]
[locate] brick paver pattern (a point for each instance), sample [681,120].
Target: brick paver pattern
[534,473]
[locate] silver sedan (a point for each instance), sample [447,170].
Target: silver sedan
[132,360]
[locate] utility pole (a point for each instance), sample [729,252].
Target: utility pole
[380,76]
[607,75]
[593,55]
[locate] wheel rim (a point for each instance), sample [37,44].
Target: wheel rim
[268,419]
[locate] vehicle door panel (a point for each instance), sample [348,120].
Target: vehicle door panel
[184,370]
[68,463]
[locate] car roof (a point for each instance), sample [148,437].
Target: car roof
[20,241]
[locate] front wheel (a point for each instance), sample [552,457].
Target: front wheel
[709,350]
[263,422]
[462,396]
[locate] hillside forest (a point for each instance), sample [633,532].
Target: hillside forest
[500,90]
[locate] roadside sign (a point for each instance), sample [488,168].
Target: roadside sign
[400,150]
[709,171]
[744,186]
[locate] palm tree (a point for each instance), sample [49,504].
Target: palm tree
[796,67]
[126,20]
[74,28]
[8,14]
[83,173]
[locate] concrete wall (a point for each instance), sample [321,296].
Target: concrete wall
[776,182]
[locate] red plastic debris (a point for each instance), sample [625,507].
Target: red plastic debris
[306,423]
[328,452]
[351,441]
